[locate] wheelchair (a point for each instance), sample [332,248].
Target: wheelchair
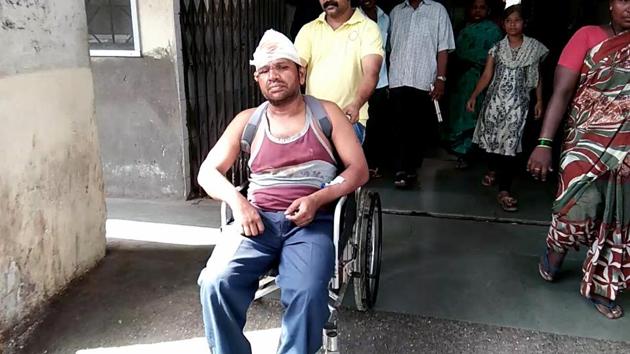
[357,236]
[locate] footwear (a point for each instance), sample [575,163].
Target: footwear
[400,180]
[461,163]
[507,202]
[610,309]
[374,173]
[488,179]
[405,180]
[546,270]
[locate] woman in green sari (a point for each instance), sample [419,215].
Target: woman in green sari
[473,43]
[592,207]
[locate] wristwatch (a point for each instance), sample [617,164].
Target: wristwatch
[441,78]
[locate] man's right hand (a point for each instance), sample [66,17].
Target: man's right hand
[248,217]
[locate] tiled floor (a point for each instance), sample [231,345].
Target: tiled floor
[447,285]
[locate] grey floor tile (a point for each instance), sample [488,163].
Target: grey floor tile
[484,273]
[444,189]
[200,212]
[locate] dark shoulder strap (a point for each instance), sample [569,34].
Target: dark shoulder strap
[252,127]
[320,115]
[316,107]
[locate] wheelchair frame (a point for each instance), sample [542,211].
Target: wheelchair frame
[358,249]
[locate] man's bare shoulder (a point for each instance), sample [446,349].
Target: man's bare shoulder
[335,114]
[331,108]
[237,125]
[242,118]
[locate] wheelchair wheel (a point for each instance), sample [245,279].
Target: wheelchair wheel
[368,238]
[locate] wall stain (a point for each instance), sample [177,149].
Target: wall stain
[136,100]
[7,24]
[46,224]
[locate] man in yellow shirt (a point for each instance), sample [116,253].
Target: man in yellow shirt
[342,52]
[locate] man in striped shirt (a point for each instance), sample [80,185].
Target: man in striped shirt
[421,38]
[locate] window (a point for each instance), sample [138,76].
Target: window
[113,28]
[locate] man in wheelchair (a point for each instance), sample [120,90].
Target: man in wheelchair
[303,156]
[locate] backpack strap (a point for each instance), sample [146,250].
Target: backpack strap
[252,127]
[320,115]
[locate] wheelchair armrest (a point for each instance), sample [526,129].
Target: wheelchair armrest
[337,221]
[226,213]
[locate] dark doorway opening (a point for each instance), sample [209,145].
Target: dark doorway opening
[218,37]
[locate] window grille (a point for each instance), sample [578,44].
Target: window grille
[113,27]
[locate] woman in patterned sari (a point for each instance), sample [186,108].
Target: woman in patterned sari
[473,44]
[592,207]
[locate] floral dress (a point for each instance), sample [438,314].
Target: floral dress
[504,112]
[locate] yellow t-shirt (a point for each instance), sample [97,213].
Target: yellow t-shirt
[333,57]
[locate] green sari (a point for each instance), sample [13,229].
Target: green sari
[472,46]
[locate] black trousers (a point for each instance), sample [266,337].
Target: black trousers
[505,169]
[377,142]
[414,127]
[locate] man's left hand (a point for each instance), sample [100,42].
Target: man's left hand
[302,211]
[439,87]
[352,111]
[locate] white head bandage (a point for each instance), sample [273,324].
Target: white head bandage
[274,45]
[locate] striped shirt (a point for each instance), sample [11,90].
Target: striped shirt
[416,38]
[283,170]
[382,20]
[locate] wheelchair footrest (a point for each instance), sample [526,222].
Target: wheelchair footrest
[331,345]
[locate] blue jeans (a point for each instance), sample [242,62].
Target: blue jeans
[305,259]
[359,130]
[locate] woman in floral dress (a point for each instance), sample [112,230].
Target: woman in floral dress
[512,71]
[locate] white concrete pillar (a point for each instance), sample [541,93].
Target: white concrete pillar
[52,208]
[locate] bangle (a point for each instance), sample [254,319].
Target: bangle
[543,146]
[545,142]
[441,78]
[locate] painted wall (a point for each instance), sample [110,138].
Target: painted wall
[138,108]
[52,209]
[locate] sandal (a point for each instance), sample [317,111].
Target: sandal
[506,202]
[545,269]
[400,180]
[405,180]
[374,173]
[461,164]
[610,309]
[488,179]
